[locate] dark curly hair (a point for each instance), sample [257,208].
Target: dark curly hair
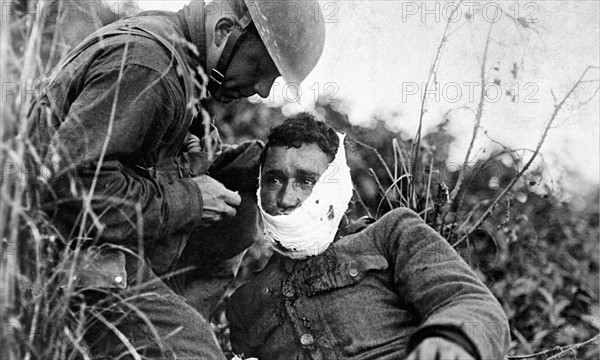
[303,128]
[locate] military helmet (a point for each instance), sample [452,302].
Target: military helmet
[293,33]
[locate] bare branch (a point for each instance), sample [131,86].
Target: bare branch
[557,109]
[431,80]
[574,347]
[583,103]
[561,349]
[379,157]
[554,97]
[476,126]
[452,205]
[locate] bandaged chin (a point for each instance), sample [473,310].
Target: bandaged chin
[311,228]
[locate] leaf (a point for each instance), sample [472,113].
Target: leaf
[539,335]
[547,296]
[560,306]
[523,286]
[593,318]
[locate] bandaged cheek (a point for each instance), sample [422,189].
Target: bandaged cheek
[311,228]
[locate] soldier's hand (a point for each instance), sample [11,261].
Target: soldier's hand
[438,349]
[217,201]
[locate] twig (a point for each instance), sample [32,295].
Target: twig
[379,157]
[510,152]
[476,125]
[574,347]
[361,201]
[382,191]
[529,356]
[591,97]
[452,204]
[428,186]
[431,79]
[562,350]
[557,108]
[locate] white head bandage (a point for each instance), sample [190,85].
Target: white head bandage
[311,228]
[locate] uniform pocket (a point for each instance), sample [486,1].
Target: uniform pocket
[344,274]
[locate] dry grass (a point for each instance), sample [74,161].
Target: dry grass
[42,313]
[37,312]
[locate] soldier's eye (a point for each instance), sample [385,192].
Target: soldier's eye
[307,183]
[272,182]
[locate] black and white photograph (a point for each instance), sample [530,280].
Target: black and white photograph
[300,179]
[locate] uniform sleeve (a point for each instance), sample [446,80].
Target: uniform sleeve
[431,277]
[119,121]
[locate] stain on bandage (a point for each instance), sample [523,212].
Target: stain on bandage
[330,213]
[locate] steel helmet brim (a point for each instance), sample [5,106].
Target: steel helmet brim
[293,33]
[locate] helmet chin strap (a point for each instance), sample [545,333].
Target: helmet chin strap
[235,39]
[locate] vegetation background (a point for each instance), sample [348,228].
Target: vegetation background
[536,251]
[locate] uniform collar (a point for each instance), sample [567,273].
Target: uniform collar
[346,227]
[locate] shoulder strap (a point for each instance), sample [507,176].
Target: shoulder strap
[187,76]
[195,10]
[124,29]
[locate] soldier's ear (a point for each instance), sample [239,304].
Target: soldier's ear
[222,29]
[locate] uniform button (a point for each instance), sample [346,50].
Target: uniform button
[353,272]
[307,339]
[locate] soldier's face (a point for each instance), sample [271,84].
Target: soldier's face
[289,175]
[251,71]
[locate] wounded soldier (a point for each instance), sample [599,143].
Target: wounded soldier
[393,289]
